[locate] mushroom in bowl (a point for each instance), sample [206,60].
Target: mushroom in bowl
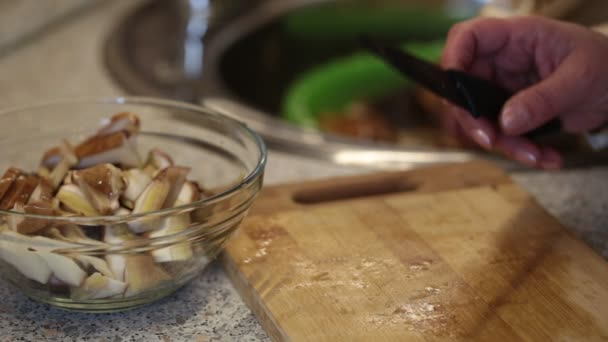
[121,209]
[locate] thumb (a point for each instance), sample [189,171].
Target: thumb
[538,104]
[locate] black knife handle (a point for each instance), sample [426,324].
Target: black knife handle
[485,99]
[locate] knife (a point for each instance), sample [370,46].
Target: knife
[479,97]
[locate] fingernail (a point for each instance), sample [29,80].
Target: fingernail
[481,138]
[526,158]
[514,118]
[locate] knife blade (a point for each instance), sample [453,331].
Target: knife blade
[479,97]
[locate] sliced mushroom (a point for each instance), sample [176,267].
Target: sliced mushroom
[161,193]
[157,160]
[44,172]
[19,192]
[43,192]
[72,198]
[28,225]
[35,243]
[8,179]
[178,251]
[153,197]
[122,211]
[117,234]
[98,286]
[117,264]
[68,160]
[100,265]
[115,148]
[41,202]
[72,233]
[121,122]
[102,185]
[136,180]
[142,273]
[175,224]
[27,262]
[26,254]
[51,158]
[64,268]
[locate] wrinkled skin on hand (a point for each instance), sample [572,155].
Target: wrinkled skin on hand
[556,69]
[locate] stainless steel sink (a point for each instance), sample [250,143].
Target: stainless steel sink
[246,66]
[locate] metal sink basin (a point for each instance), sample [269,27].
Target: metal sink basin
[248,64]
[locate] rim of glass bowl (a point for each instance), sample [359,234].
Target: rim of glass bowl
[113,219]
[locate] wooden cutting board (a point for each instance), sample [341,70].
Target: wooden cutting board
[452,252]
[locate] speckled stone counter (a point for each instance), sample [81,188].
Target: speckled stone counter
[208,309]
[67,62]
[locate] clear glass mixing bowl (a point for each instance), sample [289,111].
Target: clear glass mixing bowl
[225,157]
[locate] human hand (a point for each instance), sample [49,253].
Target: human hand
[556,69]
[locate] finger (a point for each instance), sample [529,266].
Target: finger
[577,122]
[519,149]
[514,81]
[465,43]
[551,159]
[538,104]
[454,131]
[459,50]
[480,130]
[483,68]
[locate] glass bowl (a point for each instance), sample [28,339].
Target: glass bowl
[226,158]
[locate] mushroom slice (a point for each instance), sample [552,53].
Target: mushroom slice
[44,172]
[72,233]
[19,192]
[64,268]
[25,254]
[115,148]
[72,198]
[175,224]
[153,197]
[98,264]
[27,262]
[8,179]
[41,202]
[117,264]
[161,193]
[117,234]
[68,160]
[29,225]
[35,243]
[142,273]
[51,158]
[157,160]
[102,185]
[98,286]
[138,271]
[43,192]
[136,180]
[125,121]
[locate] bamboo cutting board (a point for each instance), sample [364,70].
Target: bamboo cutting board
[452,252]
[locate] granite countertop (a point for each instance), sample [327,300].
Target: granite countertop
[67,62]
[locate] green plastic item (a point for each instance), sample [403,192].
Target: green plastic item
[346,20]
[331,87]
